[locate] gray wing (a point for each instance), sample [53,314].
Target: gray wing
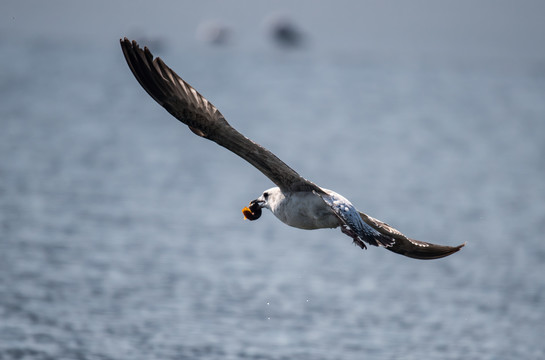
[410,247]
[353,225]
[192,109]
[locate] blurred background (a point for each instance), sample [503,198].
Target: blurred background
[121,235]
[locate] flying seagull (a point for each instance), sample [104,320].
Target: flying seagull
[295,200]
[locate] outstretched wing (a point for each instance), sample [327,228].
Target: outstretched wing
[410,247]
[192,109]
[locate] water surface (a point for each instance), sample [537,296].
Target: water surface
[122,237]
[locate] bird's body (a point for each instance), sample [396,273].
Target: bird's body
[310,210]
[295,200]
[302,209]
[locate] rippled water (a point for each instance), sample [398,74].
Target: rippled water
[122,236]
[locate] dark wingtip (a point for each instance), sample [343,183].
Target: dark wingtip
[124,41]
[142,66]
[427,252]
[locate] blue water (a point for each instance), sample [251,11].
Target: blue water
[121,235]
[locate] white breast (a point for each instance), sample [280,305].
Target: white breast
[304,210]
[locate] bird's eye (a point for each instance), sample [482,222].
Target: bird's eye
[265,195]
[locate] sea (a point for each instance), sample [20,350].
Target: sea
[122,237]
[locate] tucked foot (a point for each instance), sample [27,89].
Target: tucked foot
[356,239]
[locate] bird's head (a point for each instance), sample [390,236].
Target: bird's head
[253,210]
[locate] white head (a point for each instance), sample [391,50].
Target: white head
[270,198]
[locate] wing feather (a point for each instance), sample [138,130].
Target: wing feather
[204,119]
[350,218]
[409,247]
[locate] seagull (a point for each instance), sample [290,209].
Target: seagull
[294,200]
